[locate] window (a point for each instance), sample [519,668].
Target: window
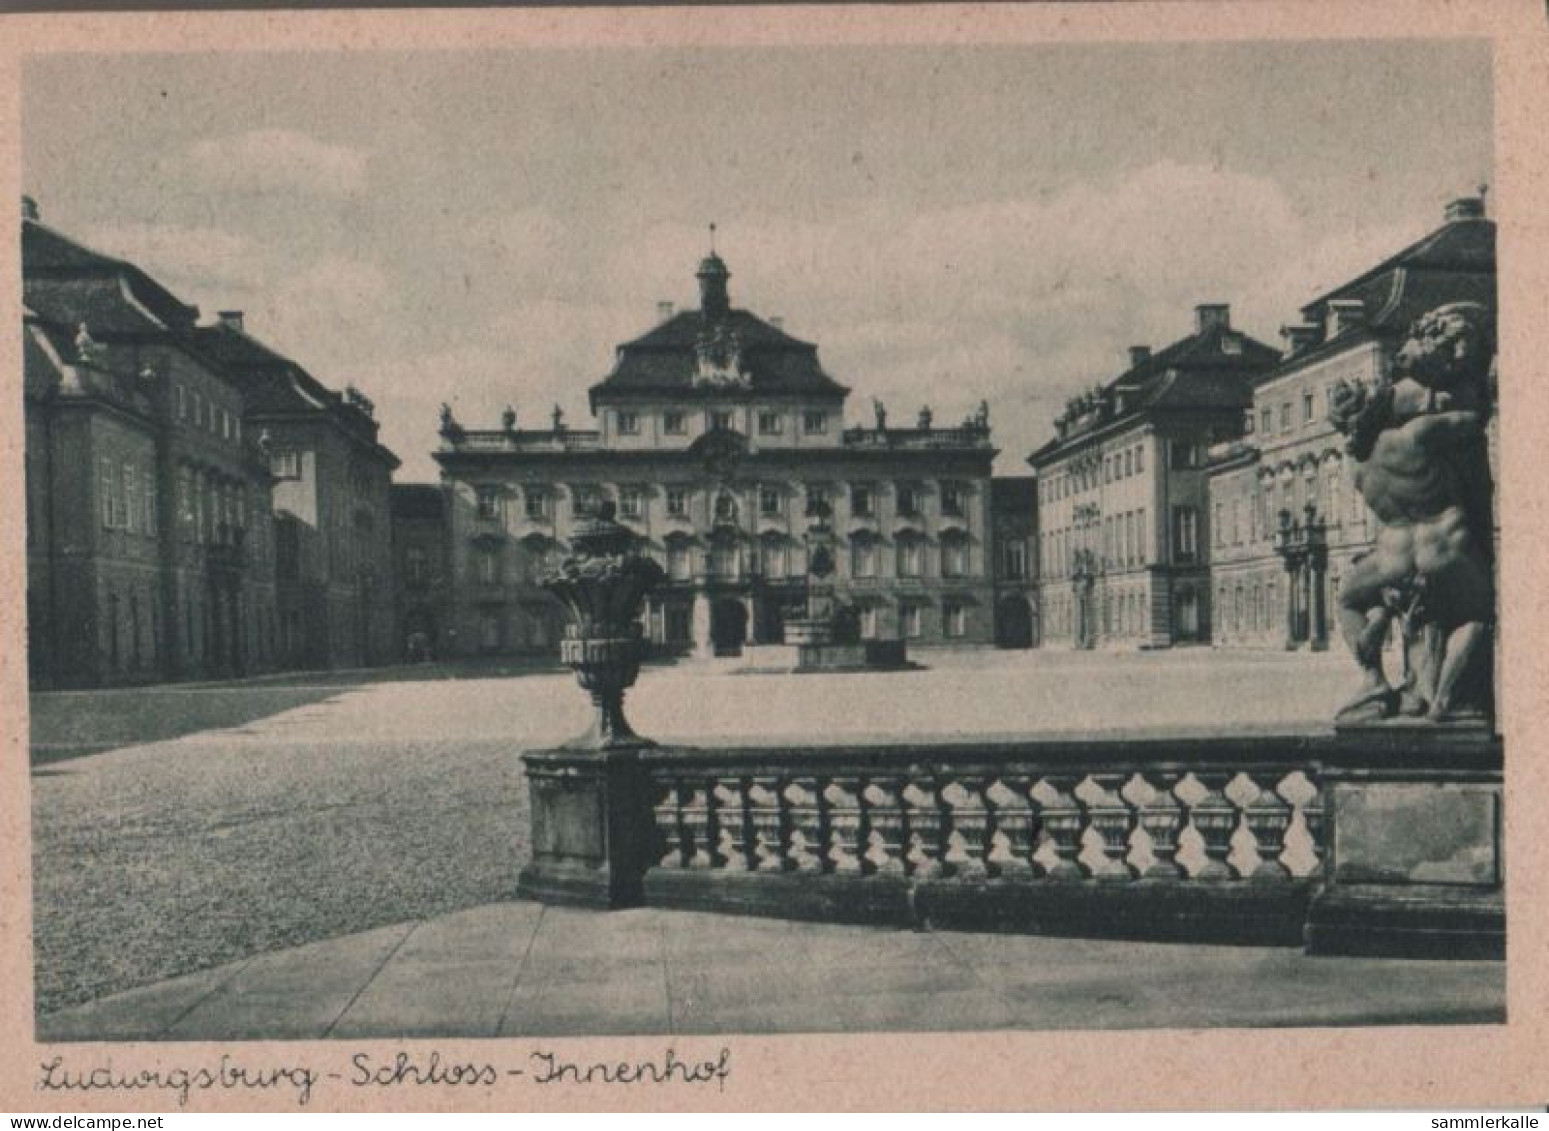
[1187,454]
[951,499]
[863,558]
[629,423]
[678,560]
[488,565]
[1266,420]
[1140,536]
[285,463]
[674,423]
[813,422]
[1129,463]
[816,497]
[909,557]
[1308,411]
[198,409]
[1218,521]
[630,501]
[908,500]
[489,502]
[1140,458]
[725,507]
[862,505]
[536,503]
[1236,522]
[909,621]
[954,619]
[769,423]
[677,502]
[772,557]
[1014,560]
[1185,534]
[1285,417]
[150,502]
[131,512]
[721,421]
[868,622]
[769,500]
[105,489]
[954,557]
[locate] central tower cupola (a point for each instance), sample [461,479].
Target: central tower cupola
[712,275]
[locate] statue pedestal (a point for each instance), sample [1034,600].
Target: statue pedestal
[591,827]
[1415,865]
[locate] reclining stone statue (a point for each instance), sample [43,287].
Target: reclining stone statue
[1423,469]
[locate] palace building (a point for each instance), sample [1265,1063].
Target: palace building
[1287,518]
[1123,521]
[716,434]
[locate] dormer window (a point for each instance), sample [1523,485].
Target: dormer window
[674,423]
[814,422]
[629,423]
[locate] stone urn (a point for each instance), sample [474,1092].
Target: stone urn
[603,585]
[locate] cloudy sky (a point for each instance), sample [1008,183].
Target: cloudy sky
[946,224]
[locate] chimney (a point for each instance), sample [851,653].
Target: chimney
[1207,316]
[1139,355]
[29,209]
[663,311]
[1344,315]
[231,320]
[778,322]
[1465,208]
[1299,337]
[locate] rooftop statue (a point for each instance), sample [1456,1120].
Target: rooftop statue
[1423,469]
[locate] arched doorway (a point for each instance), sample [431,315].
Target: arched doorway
[728,626]
[1013,623]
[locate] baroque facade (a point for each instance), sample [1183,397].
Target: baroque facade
[1288,520]
[332,502]
[717,434]
[150,544]
[1123,515]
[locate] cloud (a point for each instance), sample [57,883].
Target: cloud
[181,255]
[275,160]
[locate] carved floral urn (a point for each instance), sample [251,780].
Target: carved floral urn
[603,585]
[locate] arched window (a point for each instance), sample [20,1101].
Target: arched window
[911,556]
[863,555]
[772,557]
[954,556]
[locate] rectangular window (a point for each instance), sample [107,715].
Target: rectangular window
[817,497]
[769,501]
[674,423]
[150,501]
[863,558]
[536,503]
[105,490]
[721,421]
[1285,417]
[1185,534]
[908,500]
[131,513]
[1140,458]
[197,408]
[629,423]
[862,504]
[285,463]
[1266,420]
[677,561]
[1308,408]
[1140,535]
[954,558]
[630,501]
[869,622]
[1219,523]
[414,565]
[954,620]
[813,422]
[489,567]
[1014,560]
[952,499]
[769,423]
[181,395]
[909,620]
[677,502]
[909,558]
[772,558]
[489,502]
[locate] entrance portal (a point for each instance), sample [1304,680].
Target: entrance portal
[728,626]
[1013,623]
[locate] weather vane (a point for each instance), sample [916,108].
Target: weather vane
[712,237]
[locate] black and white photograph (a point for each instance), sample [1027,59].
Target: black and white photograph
[692,539]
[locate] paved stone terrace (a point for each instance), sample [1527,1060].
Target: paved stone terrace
[519,969]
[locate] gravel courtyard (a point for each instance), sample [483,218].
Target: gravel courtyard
[308,812]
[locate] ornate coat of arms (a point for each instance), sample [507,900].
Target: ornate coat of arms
[718,356]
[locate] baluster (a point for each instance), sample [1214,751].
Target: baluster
[669,827]
[885,819]
[764,805]
[968,844]
[1162,818]
[845,849]
[1215,819]
[701,832]
[928,828]
[1011,817]
[1313,817]
[731,810]
[1063,819]
[1268,816]
[806,825]
[1112,819]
